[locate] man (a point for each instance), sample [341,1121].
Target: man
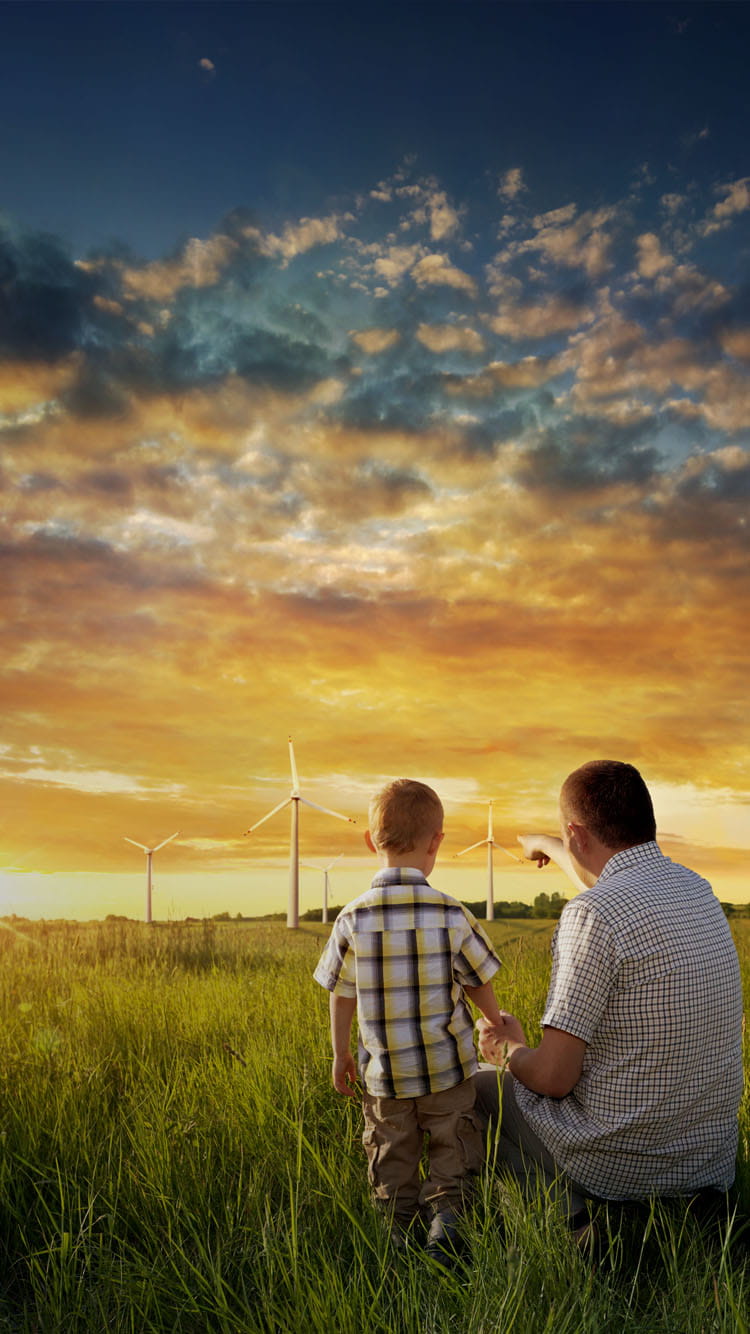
[634,1088]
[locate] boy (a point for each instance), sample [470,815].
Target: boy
[406,957]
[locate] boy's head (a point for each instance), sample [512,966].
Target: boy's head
[405,816]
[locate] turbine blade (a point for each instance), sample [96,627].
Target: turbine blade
[327,811]
[481,844]
[142,846]
[489,824]
[263,818]
[292,761]
[166,841]
[333,863]
[512,855]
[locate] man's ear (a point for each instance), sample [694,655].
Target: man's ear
[369,842]
[578,835]
[435,842]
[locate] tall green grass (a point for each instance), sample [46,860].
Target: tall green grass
[172,1158]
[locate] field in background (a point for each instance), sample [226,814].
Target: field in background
[174,1159]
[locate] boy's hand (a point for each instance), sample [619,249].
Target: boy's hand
[498,1041]
[344,1074]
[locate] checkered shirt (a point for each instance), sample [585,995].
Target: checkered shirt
[406,951]
[644,970]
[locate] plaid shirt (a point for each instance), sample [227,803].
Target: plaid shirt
[406,951]
[645,972]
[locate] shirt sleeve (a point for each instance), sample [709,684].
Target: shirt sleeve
[336,970]
[583,972]
[475,961]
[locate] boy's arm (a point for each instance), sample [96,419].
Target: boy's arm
[553,1068]
[344,1071]
[485,1000]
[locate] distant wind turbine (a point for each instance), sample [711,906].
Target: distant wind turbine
[294,798]
[325,869]
[490,844]
[149,855]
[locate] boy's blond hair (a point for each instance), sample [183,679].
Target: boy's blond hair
[402,813]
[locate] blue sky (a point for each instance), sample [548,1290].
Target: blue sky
[378,375]
[119,132]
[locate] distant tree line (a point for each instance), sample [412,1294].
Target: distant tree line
[544,905]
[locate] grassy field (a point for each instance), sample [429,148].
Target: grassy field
[173,1159]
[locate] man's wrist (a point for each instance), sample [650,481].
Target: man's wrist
[515,1049]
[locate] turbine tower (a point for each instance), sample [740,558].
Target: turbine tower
[294,799]
[149,855]
[313,866]
[490,844]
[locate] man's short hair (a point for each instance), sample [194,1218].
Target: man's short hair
[402,813]
[611,799]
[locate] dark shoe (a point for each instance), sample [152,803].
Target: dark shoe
[400,1231]
[400,1242]
[444,1244]
[585,1232]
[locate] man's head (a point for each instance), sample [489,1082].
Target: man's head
[405,817]
[605,803]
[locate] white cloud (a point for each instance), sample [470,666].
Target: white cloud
[299,237]
[437,270]
[737,343]
[540,319]
[691,290]
[511,183]
[555,217]
[736,200]
[200,265]
[212,844]
[702,815]
[103,782]
[373,341]
[396,262]
[651,257]
[450,338]
[582,244]
[162,527]
[444,219]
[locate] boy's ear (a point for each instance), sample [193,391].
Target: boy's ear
[369,842]
[435,841]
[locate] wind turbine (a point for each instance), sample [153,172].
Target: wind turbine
[325,869]
[490,843]
[294,798]
[149,855]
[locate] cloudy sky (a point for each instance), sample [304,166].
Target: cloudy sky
[378,376]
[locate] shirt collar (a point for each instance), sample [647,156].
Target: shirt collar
[642,852]
[398,875]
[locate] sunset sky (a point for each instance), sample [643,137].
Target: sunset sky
[378,375]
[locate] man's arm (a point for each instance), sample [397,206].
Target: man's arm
[545,848]
[344,1071]
[553,1068]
